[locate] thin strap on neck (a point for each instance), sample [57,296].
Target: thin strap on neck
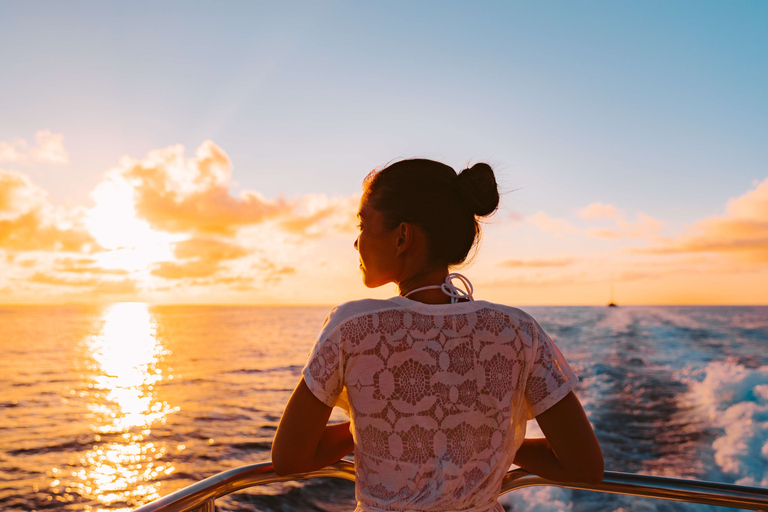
[450,289]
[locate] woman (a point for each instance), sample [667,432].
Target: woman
[438,386]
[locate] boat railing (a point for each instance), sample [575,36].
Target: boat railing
[202,495]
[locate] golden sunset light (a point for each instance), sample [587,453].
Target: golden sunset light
[436,248]
[124,363]
[162,224]
[237,182]
[169,228]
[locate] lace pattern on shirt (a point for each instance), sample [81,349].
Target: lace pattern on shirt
[435,398]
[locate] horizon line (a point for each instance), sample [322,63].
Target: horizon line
[331,305]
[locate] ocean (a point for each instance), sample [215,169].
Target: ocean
[108,408]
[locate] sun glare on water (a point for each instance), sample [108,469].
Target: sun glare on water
[126,363]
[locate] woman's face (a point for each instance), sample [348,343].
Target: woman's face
[377,247]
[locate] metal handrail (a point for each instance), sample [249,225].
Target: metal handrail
[201,496]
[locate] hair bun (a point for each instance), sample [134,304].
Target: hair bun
[478,186]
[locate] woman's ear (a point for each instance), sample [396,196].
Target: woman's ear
[405,236]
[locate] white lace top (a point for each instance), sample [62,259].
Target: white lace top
[438,396]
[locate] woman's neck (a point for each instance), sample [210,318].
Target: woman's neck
[435,277]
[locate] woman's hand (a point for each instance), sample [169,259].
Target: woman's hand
[303,441]
[570,452]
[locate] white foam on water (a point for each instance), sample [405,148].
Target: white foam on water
[735,400]
[680,318]
[538,499]
[617,319]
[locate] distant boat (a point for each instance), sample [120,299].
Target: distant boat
[612,304]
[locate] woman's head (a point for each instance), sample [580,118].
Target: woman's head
[431,196]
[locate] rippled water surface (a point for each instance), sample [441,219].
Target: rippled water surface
[108,408]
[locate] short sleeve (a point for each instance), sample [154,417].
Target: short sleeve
[550,378]
[323,372]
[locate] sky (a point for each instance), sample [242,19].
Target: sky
[213,152]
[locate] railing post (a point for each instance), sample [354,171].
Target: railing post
[208,506]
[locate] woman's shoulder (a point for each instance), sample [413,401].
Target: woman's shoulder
[514,313]
[360,306]
[347,311]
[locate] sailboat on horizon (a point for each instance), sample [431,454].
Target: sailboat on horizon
[612,303]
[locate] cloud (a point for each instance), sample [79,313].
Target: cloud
[49,149]
[644,226]
[166,220]
[539,280]
[200,257]
[272,273]
[537,263]
[28,222]
[206,272]
[181,195]
[598,210]
[86,266]
[742,231]
[558,227]
[186,269]
[202,261]
[18,195]
[237,283]
[9,153]
[94,284]
[192,196]
[208,249]
[316,215]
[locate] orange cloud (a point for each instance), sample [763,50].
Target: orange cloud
[86,266]
[534,263]
[192,196]
[208,249]
[183,270]
[49,148]
[94,284]
[318,215]
[742,231]
[262,273]
[166,221]
[200,258]
[238,283]
[272,273]
[558,227]
[538,280]
[181,195]
[29,223]
[18,195]
[645,226]
[206,273]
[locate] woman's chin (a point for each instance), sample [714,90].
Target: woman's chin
[371,283]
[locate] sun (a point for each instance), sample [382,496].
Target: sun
[130,242]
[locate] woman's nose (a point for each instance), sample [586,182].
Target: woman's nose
[355,244]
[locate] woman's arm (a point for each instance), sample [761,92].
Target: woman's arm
[304,441]
[570,452]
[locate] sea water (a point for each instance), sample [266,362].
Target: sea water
[108,408]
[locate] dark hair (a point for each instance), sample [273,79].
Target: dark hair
[432,196]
